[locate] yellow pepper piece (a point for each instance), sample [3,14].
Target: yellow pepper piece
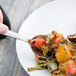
[62,54]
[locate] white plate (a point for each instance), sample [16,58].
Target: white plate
[59,15]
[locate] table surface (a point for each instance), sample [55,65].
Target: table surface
[17,11]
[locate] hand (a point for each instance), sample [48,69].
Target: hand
[3,27]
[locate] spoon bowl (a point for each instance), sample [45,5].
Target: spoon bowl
[19,37]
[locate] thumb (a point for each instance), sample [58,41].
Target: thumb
[3,28]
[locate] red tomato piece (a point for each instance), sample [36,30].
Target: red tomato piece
[71,68]
[58,39]
[39,42]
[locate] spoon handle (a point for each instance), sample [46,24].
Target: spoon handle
[15,35]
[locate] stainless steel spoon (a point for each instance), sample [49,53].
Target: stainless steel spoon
[19,37]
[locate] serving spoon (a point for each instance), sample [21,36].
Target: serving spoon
[19,37]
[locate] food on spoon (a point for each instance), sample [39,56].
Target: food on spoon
[60,54]
[44,45]
[39,42]
[45,49]
[36,44]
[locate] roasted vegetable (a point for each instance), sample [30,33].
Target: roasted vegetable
[45,49]
[63,66]
[51,53]
[41,64]
[62,54]
[53,39]
[72,48]
[39,67]
[58,39]
[64,40]
[72,37]
[44,64]
[71,68]
[41,61]
[49,39]
[52,66]
[38,42]
[58,73]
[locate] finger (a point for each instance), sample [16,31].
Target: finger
[3,28]
[1,16]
